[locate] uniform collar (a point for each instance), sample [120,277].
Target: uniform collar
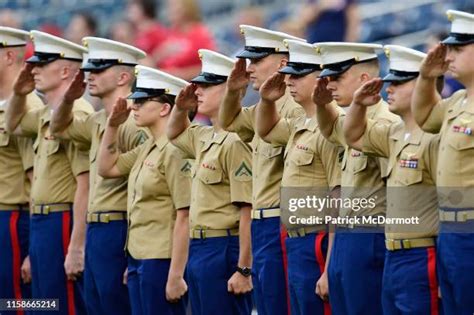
[217,138]
[310,126]
[161,142]
[282,101]
[372,111]
[399,134]
[46,115]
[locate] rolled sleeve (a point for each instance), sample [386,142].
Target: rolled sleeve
[243,124]
[126,160]
[240,172]
[179,182]
[280,133]
[375,140]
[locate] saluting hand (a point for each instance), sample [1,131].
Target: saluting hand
[435,65]
[369,93]
[74,264]
[273,88]
[76,88]
[239,284]
[120,113]
[24,83]
[321,95]
[239,77]
[322,287]
[175,289]
[187,99]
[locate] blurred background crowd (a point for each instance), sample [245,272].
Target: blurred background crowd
[171,31]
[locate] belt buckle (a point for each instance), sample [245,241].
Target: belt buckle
[390,244]
[45,209]
[301,232]
[105,218]
[406,244]
[461,216]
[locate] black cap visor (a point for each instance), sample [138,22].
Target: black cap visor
[400,76]
[141,93]
[459,39]
[209,78]
[336,69]
[103,64]
[40,58]
[299,68]
[251,52]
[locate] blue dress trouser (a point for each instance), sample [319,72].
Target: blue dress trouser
[49,241]
[147,280]
[212,262]
[14,239]
[306,261]
[268,270]
[410,285]
[105,265]
[456,267]
[355,272]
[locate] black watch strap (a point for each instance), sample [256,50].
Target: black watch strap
[244,271]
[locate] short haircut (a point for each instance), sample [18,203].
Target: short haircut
[371,67]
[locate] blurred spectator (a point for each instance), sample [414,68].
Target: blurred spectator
[10,18]
[451,85]
[178,53]
[122,31]
[292,27]
[330,20]
[148,33]
[82,24]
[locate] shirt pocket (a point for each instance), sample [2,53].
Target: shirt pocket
[303,158]
[209,177]
[461,133]
[408,176]
[4,138]
[52,147]
[270,152]
[359,164]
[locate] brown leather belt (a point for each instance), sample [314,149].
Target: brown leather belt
[106,217]
[10,207]
[197,233]
[51,207]
[393,245]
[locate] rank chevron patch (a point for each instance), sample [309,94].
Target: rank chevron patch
[243,170]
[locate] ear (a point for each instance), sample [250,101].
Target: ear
[165,109]
[65,72]
[124,79]
[283,62]
[10,57]
[364,77]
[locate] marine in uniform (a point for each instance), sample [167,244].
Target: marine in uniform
[267,53]
[61,174]
[453,119]
[218,271]
[411,189]
[110,66]
[311,164]
[346,66]
[16,175]
[159,189]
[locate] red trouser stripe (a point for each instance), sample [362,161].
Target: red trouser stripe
[433,280]
[69,283]
[283,235]
[321,262]
[16,255]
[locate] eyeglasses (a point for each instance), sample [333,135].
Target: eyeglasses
[142,101]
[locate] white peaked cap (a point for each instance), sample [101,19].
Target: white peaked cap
[13,37]
[101,48]
[403,58]
[150,78]
[339,52]
[462,28]
[303,52]
[47,43]
[215,63]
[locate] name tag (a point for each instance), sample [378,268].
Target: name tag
[149,163]
[208,166]
[302,147]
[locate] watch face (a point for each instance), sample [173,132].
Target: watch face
[245,271]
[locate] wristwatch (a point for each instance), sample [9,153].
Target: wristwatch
[244,271]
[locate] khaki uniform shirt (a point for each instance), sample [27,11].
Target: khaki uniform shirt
[267,159]
[111,193]
[222,176]
[411,178]
[158,185]
[453,118]
[362,175]
[310,160]
[57,161]
[16,157]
